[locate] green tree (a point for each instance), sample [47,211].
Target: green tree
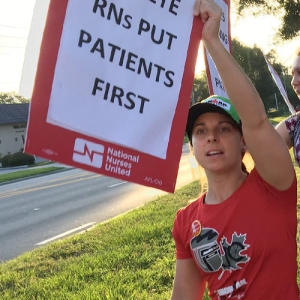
[252,61]
[290,8]
[200,88]
[12,97]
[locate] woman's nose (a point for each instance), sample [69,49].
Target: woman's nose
[212,137]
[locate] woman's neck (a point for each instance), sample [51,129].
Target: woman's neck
[222,186]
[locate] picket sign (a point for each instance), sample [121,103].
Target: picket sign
[280,86]
[214,80]
[113,85]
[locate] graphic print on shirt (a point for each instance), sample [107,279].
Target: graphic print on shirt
[212,257]
[236,290]
[206,250]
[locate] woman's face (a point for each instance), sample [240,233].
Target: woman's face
[217,142]
[296,76]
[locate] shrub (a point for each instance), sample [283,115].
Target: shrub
[21,159]
[5,160]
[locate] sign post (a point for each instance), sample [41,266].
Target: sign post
[215,83]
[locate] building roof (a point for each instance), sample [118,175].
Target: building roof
[14,113]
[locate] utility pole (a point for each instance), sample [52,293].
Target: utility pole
[276,101]
[283,77]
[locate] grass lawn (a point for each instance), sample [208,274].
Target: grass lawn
[277,120]
[130,257]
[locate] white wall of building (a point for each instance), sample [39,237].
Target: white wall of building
[12,138]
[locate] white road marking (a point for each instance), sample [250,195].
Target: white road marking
[117,184]
[66,233]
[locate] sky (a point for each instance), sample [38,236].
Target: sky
[16,18]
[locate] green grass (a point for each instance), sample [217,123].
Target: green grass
[130,257]
[27,173]
[186,139]
[277,120]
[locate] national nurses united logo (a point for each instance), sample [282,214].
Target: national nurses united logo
[212,256]
[88,153]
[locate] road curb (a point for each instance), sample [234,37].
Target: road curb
[35,176]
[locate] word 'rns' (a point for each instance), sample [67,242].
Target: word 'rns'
[111,12]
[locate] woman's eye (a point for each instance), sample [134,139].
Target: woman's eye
[200,131]
[224,129]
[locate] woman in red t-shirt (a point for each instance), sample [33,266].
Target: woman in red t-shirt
[239,237]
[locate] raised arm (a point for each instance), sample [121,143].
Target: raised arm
[268,149]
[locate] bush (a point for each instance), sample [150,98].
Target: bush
[21,159]
[5,160]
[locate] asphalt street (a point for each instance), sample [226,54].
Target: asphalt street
[42,209]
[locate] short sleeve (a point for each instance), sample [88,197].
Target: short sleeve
[180,238]
[288,196]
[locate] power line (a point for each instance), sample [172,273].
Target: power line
[288,58]
[13,27]
[14,37]
[6,82]
[12,47]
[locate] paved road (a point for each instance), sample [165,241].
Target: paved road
[36,211]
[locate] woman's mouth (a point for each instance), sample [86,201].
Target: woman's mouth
[214,152]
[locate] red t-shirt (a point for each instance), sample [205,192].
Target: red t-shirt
[244,247]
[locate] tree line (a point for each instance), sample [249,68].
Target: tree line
[253,63]
[12,97]
[287,11]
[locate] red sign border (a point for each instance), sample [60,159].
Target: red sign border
[56,143]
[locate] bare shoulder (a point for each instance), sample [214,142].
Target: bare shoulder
[287,126]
